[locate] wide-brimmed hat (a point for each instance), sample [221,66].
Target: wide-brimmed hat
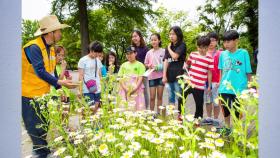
[48,24]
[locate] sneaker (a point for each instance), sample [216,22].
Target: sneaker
[224,131]
[207,121]
[216,123]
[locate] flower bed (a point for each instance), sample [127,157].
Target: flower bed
[117,131]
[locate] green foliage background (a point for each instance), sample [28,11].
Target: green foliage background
[111,24]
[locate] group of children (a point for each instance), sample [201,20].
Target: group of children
[208,72]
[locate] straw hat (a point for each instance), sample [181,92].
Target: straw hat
[48,24]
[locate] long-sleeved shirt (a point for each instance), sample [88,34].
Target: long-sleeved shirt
[34,55]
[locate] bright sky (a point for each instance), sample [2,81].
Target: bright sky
[36,9]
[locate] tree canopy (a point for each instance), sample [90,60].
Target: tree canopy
[111,22]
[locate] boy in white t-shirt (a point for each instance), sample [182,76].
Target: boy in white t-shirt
[89,68]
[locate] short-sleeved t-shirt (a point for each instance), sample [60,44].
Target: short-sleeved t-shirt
[89,66]
[200,65]
[132,69]
[154,58]
[215,72]
[175,67]
[235,67]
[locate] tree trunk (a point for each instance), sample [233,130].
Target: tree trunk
[83,18]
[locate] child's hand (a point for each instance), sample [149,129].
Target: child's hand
[69,78]
[169,46]
[164,79]
[133,91]
[209,90]
[217,85]
[63,64]
[125,89]
[149,66]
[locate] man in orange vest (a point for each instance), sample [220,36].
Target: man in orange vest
[38,63]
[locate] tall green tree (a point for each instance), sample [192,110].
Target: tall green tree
[248,16]
[166,19]
[217,15]
[136,9]
[114,31]
[222,15]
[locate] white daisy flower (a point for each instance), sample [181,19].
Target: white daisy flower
[59,151]
[80,136]
[157,140]
[110,137]
[120,120]
[92,148]
[135,146]
[219,142]
[127,154]
[78,141]
[189,154]
[158,121]
[181,148]
[144,152]
[169,145]
[58,139]
[103,149]
[217,154]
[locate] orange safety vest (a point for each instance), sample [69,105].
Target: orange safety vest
[31,85]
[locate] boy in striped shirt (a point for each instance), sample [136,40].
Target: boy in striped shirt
[201,65]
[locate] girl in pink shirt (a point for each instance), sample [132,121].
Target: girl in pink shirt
[154,62]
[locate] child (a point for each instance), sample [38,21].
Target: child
[89,68]
[60,71]
[210,97]
[112,64]
[138,42]
[134,70]
[154,60]
[174,59]
[100,56]
[60,67]
[235,69]
[201,65]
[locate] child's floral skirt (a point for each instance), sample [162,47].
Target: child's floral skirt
[136,100]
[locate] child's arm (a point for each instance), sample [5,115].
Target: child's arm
[99,73]
[209,81]
[173,54]
[249,77]
[81,78]
[147,63]
[123,86]
[63,68]
[164,77]
[138,84]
